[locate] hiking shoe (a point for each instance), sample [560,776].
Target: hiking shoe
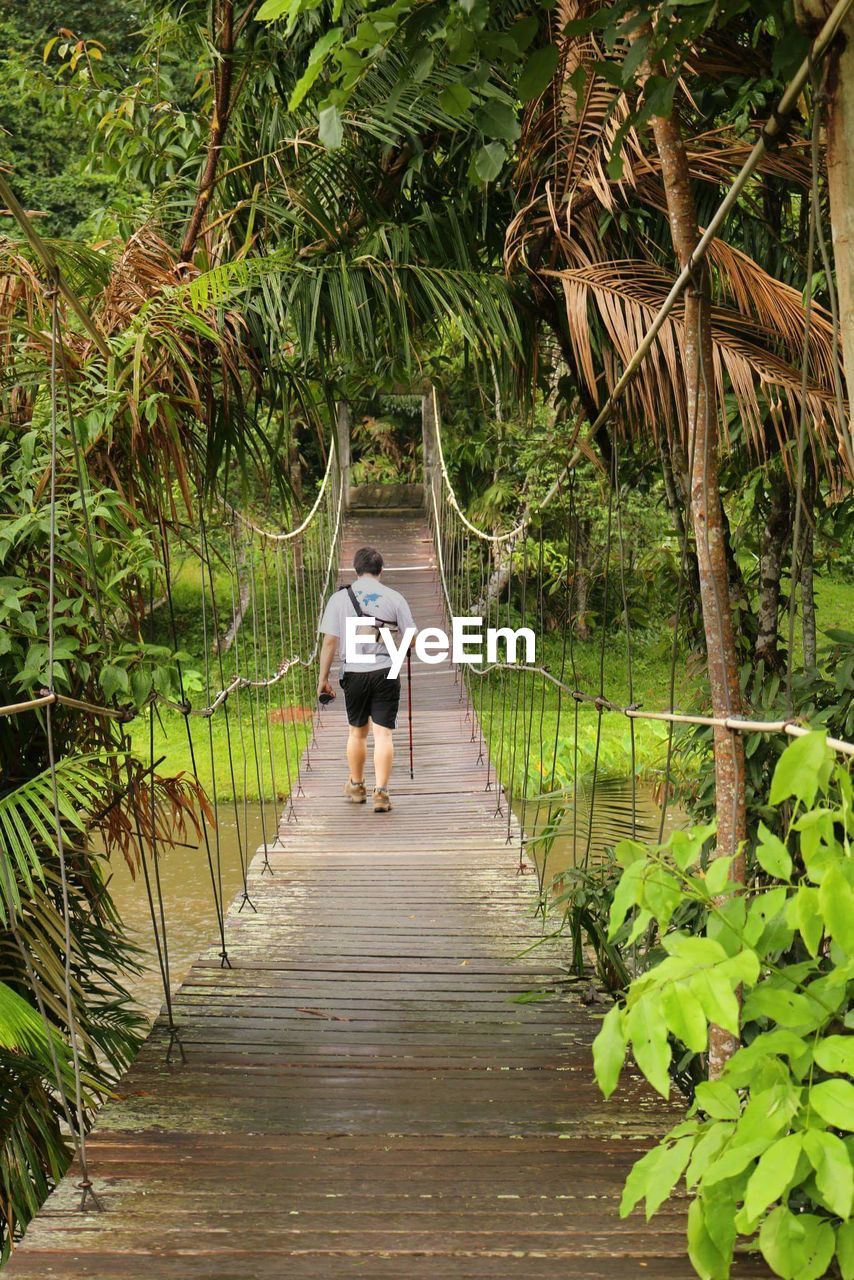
[355,791]
[382,800]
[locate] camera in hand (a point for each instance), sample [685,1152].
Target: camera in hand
[323,698]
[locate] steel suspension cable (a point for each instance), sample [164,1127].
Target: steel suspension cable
[282,709]
[601,696]
[161,939]
[205,573]
[628,628]
[79,1128]
[241,849]
[224,961]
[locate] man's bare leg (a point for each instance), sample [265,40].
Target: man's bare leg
[357,750]
[383,756]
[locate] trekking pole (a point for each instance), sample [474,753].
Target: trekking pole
[409,700]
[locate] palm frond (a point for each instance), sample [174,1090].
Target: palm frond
[28,834]
[23,1032]
[354,305]
[33,1152]
[764,386]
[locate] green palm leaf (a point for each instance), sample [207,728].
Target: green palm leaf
[22,1032]
[28,824]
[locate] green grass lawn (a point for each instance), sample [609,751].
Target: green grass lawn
[257,766]
[544,716]
[251,753]
[651,663]
[834,606]
[537,720]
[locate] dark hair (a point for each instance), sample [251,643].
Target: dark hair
[368,560]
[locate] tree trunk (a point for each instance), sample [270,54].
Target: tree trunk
[429,447]
[776,535]
[498,582]
[222,105]
[840,186]
[708,521]
[676,496]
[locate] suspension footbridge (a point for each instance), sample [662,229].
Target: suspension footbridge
[366,1089]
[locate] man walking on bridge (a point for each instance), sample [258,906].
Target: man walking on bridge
[371,693]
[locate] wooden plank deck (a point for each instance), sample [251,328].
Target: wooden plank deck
[362,1097]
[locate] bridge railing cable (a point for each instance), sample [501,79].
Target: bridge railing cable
[453,598]
[274,583]
[477,570]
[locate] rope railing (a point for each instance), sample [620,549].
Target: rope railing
[276,582]
[453,543]
[508,716]
[289,534]
[303,563]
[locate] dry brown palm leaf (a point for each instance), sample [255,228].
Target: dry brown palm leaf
[779,307]
[172,355]
[170,358]
[180,807]
[764,388]
[756,294]
[20,288]
[144,267]
[567,140]
[716,155]
[24,312]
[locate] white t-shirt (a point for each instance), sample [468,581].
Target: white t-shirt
[376,600]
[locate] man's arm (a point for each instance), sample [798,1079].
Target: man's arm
[327,657]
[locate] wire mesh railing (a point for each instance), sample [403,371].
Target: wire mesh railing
[477,568]
[252,596]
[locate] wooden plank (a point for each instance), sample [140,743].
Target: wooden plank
[363,1095]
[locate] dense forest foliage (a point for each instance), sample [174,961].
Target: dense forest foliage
[239,217]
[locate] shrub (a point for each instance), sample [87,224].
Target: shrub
[765,1150]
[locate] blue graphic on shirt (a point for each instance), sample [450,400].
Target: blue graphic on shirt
[369,599]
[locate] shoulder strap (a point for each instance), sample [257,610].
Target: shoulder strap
[354,600]
[360,613]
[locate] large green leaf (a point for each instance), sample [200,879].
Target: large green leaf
[834,1176]
[537,73]
[797,1246]
[497,120]
[609,1050]
[330,128]
[834,1102]
[647,1031]
[774,1172]
[799,770]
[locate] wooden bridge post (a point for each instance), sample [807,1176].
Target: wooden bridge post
[342,443]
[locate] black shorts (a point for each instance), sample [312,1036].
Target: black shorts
[371,694]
